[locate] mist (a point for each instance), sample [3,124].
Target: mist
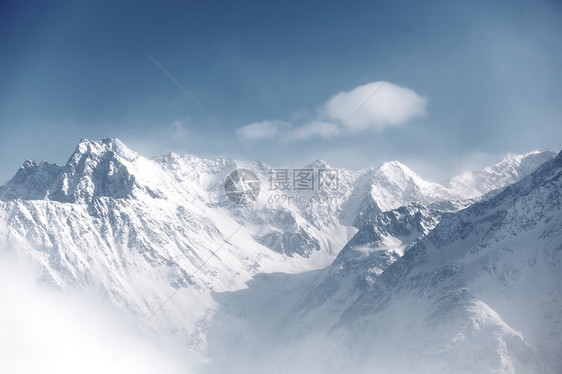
[43,329]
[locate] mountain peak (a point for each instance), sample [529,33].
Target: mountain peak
[96,168]
[318,164]
[509,170]
[394,165]
[396,171]
[100,147]
[533,158]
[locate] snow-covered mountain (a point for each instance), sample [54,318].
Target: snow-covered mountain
[479,292]
[508,171]
[393,184]
[140,230]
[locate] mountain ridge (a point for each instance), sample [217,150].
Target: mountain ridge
[479,291]
[137,229]
[88,151]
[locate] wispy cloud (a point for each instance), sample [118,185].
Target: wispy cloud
[370,107]
[311,129]
[260,130]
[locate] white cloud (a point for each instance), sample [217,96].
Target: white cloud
[375,106]
[311,129]
[260,130]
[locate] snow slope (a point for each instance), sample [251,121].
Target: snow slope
[508,171]
[159,235]
[479,293]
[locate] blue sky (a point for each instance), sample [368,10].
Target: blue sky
[477,80]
